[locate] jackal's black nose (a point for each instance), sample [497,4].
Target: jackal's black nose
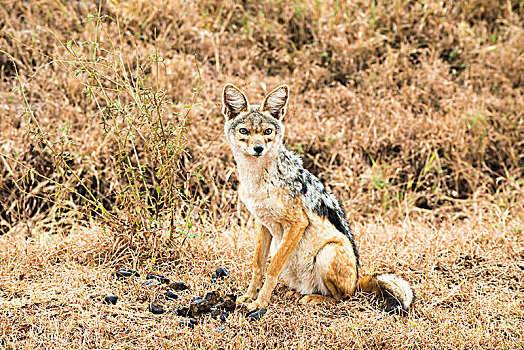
[258,149]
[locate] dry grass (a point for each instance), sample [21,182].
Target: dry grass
[112,154]
[468,278]
[402,108]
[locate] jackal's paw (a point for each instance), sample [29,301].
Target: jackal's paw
[256,305]
[244,299]
[316,299]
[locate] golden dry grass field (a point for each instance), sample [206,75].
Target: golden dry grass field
[112,156]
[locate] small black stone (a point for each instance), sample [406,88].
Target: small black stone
[151,283]
[220,329]
[156,308]
[256,315]
[220,272]
[182,311]
[110,299]
[224,316]
[198,297]
[232,296]
[179,286]
[219,313]
[213,297]
[193,320]
[215,312]
[228,305]
[186,324]
[158,277]
[125,273]
[170,295]
[199,306]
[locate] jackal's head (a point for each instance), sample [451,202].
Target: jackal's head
[254,130]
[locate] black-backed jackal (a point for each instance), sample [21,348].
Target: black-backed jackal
[298,221]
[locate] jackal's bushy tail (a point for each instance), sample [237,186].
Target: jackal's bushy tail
[396,291]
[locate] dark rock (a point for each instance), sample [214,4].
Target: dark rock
[179,286]
[220,329]
[219,313]
[200,306]
[182,311]
[125,273]
[151,283]
[189,322]
[227,304]
[156,308]
[256,315]
[184,323]
[170,295]
[220,272]
[198,297]
[159,277]
[232,297]
[215,312]
[110,299]
[213,297]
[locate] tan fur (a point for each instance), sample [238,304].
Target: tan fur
[387,283]
[262,244]
[292,223]
[292,294]
[316,299]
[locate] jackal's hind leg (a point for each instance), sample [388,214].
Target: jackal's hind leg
[337,265]
[316,299]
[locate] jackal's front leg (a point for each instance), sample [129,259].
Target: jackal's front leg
[290,239]
[259,264]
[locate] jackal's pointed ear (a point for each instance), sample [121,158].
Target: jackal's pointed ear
[234,102]
[276,102]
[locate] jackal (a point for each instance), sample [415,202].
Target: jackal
[298,221]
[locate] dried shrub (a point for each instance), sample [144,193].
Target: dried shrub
[117,153]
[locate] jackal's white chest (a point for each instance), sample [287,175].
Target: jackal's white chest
[263,202]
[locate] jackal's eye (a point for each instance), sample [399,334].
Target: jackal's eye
[243,131]
[268,132]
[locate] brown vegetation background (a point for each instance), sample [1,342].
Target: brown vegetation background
[411,112]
